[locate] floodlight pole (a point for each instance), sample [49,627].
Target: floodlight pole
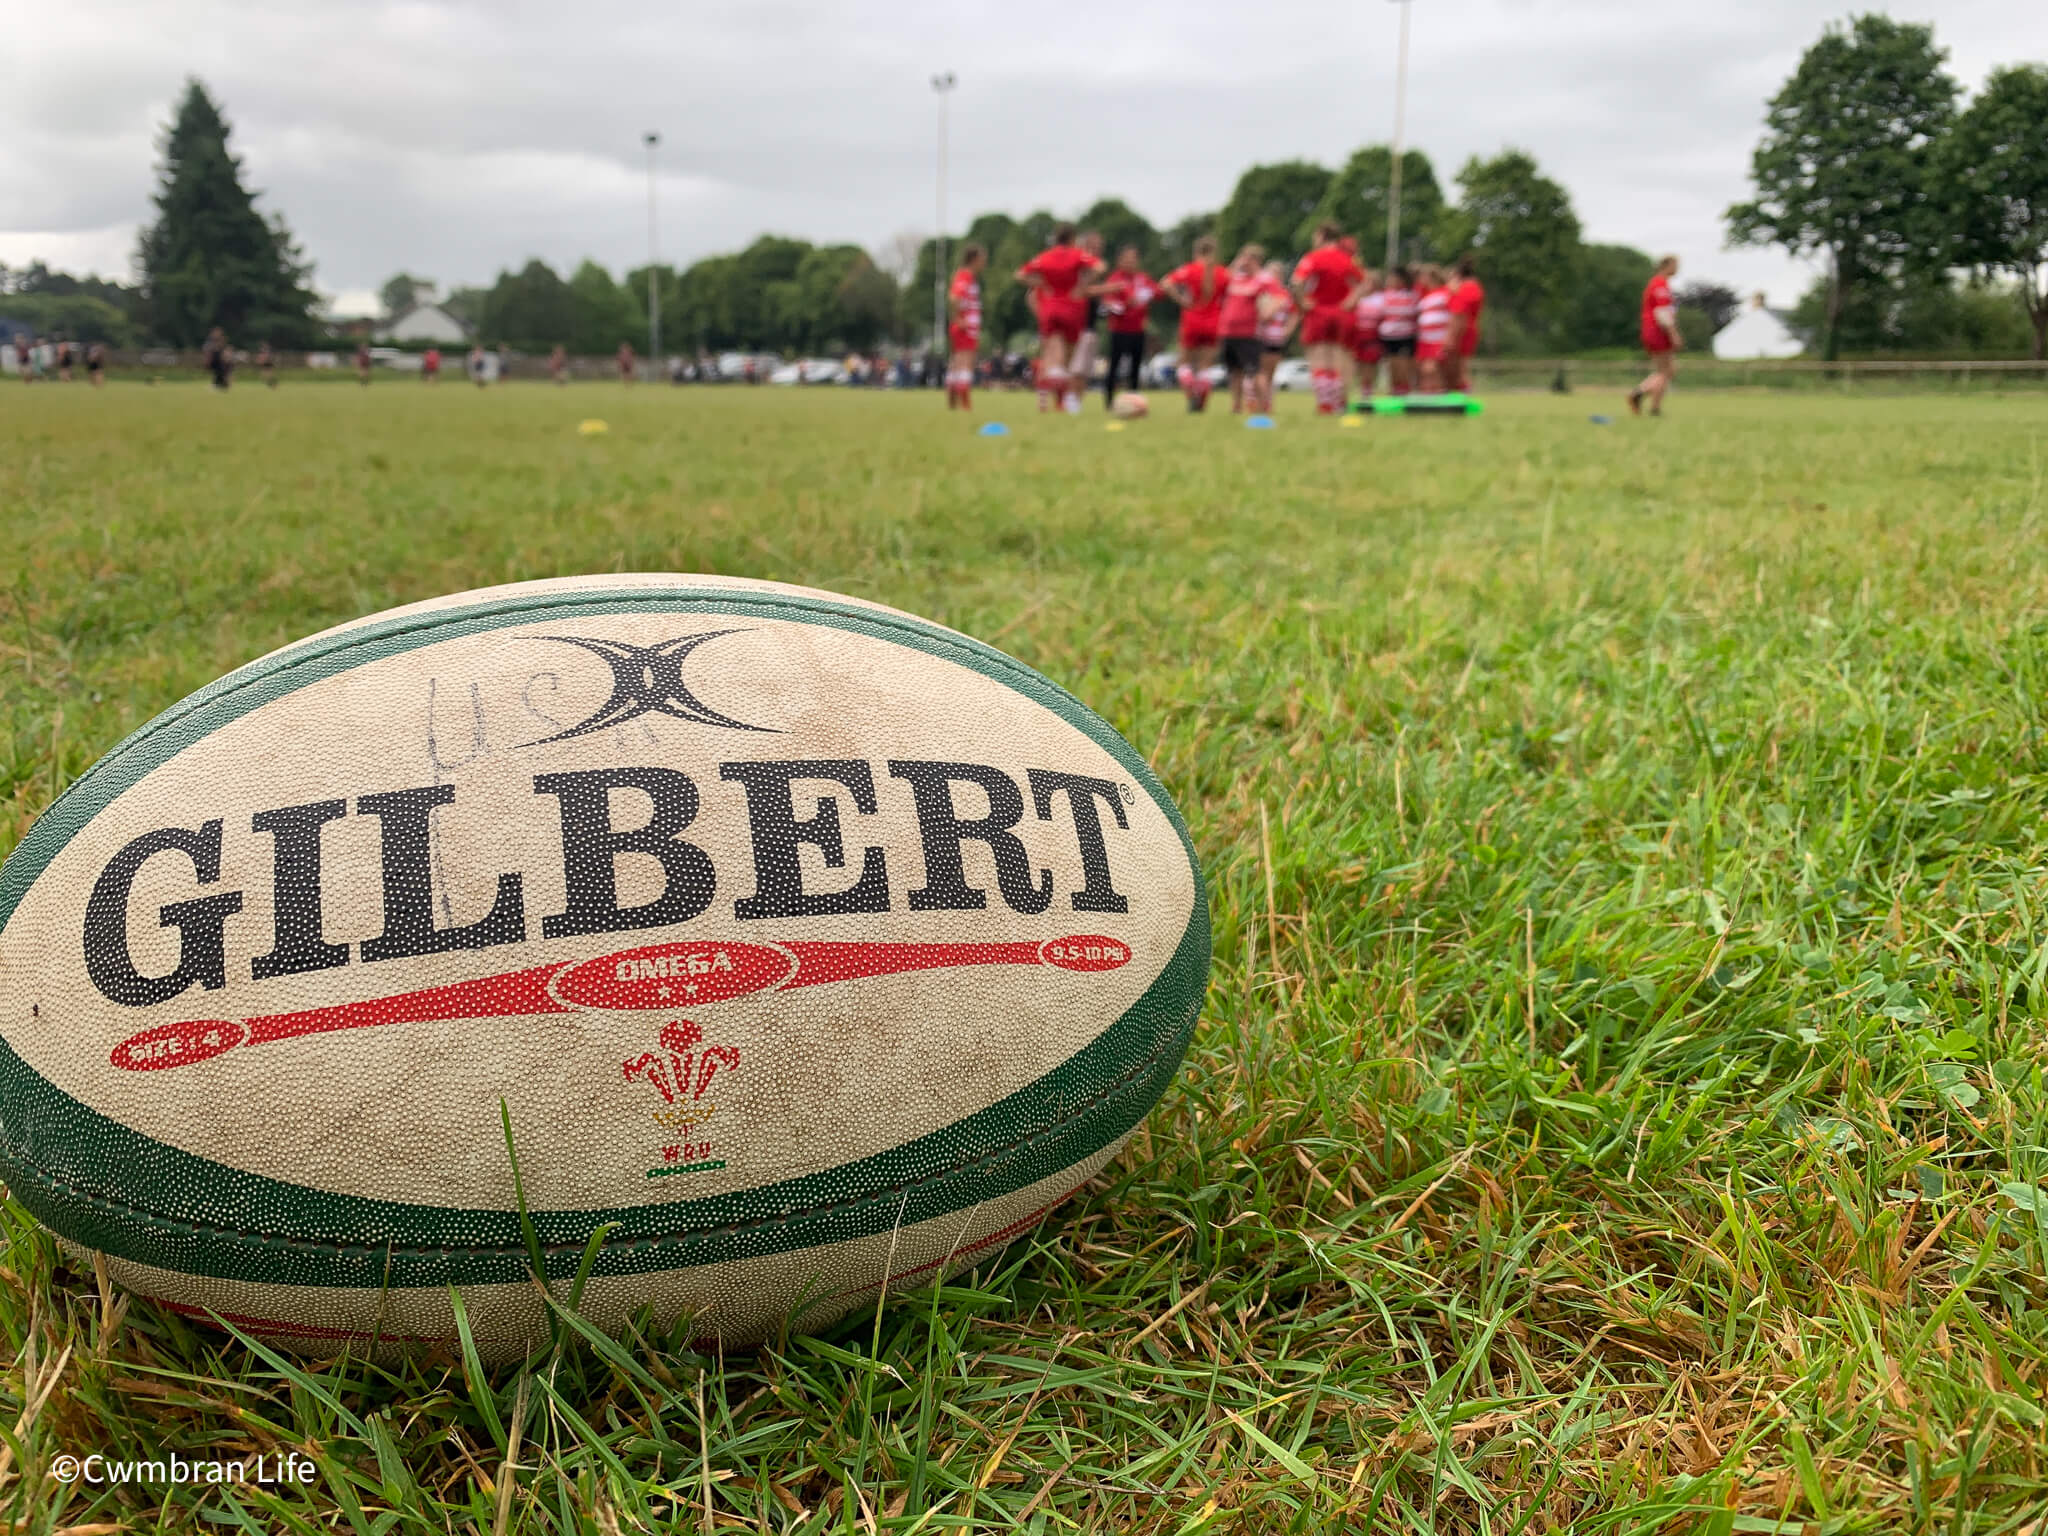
[1400,129]
[651,139]
[942,84]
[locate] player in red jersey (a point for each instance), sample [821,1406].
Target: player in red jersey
[1277,318]
[1055,277]
[1326,281]
[1660,339]
[1432,329]
[963,327]
[1366,311]
[1248,293]
[1197,286]
[1126,294]
[1468,299]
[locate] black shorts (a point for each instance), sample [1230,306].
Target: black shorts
[1273,348]
[1397,346]
[1241,354]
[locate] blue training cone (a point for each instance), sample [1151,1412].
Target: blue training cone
[993,429]
[1263,423]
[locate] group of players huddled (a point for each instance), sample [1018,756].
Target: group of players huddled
[1422,320]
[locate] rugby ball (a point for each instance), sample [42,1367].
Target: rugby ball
[807,949]
[1131,406]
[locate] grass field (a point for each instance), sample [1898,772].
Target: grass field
[1620,1101]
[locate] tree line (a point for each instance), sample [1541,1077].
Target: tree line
[1930,216]
[1869,163]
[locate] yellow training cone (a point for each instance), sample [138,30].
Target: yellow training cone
[1113,426]
[1349,421]
[592,427]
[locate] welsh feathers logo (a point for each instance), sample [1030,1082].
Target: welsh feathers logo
[648,680]
[681,1071]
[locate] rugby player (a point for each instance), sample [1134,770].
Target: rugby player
[1661,339]
[1126,295]
[1365,332]
[1246,287]
[963,327]
[1055,277]
[1277,319]
[1432,329]
[1468,299]
[1397,329]
[1326,282]
[1197,286]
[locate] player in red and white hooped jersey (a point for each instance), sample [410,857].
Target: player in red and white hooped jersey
[1326,281]
[1197,287]
[1278,316]
[1056,277]
[1398,302]
[963,327]
[1661,339]
[1366,310]
[1432,329]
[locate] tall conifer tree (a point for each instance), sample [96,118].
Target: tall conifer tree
[210,258]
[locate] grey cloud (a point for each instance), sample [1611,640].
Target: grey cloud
[454,139]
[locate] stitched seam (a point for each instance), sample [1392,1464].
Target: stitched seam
[157,1222]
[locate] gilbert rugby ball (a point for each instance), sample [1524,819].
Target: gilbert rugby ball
[1131,406]
[809,948]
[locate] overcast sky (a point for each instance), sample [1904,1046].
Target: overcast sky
[451,139]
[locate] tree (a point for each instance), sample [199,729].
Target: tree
[210,258]
[1273,206]
[531,309]
[466,306]
[1120,225]
[1717,301]
[605,313]
[1994,163]
[401,291]
[1523,235]
[1605,296]
[1357,200]
[1843,169]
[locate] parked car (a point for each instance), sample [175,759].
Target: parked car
[1294,373]
[809,370]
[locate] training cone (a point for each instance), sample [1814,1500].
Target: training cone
[592,427]
[1349,421]
[1263,423]
[993,429]
[1601,421]
[1112,426]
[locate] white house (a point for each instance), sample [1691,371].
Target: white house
[1755,334]
[425,323]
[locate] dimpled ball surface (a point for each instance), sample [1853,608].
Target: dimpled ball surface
[797,945]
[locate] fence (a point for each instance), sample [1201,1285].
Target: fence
[1903,374]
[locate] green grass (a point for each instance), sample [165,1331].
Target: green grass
[1620,1101]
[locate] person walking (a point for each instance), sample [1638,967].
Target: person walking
[218,358]
[266,364]
[363,363]
[1660,338]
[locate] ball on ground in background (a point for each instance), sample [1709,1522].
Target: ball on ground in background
[1131,406]
[799,947]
